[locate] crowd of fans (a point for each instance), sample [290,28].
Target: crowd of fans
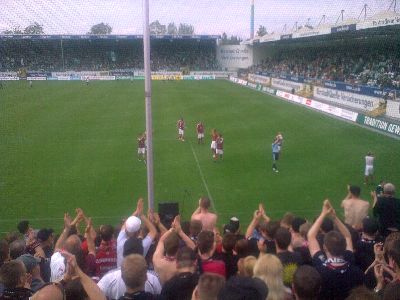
[104,55]
[356,62]
[146,258]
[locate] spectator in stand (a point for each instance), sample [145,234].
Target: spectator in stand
[246,266]
[290,260]
[225,253]
[202,214]
[195,228]
[362,293]
[112,283]
[54,291]
[78,285]
[306,283]
[206,252]
[46,239]
[269,269]
[391,291]
[134,275]
[209,287]
[243,288]
[336,262]
[364,249]
[72,244]
[106,255]
[164,258]
[32,266]
[182,285]
[387,210]
[355,209]
[17,248]
[262,230]
[15,280]
[4,252]
[131,228]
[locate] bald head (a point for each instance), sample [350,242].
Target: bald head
[49,292]
[389,189]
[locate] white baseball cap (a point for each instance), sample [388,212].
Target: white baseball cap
[132,224]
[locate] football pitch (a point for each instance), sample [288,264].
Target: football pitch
[66,145]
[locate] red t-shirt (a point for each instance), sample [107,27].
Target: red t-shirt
[200,128]
[220,143]
[181,124]
[214,136]
[141,142]
[106,257]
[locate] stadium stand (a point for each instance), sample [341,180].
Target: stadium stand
[338,258]
[372,60]
[49,55]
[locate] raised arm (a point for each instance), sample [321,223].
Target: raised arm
[152,229]
[313,244]
[73,271]
[256,218]
[138,212]
[158,224]
[178,229]
[343,230]
[64,234]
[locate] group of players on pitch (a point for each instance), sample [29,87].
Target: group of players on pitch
[217,143]
[217,140]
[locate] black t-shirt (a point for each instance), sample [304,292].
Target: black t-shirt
[288,257]
[180,286]
[139,296]
[16,294]
[339,276]
[230,261]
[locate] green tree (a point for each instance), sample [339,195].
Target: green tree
[261,31]
[157,28]
[185,29]
[34,28]
[100,28]
[172,29]
[14,30]
[233,40]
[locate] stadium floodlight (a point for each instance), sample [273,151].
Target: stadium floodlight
[147,93]
[341,17]
[393,4]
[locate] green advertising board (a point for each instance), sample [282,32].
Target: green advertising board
[389,127]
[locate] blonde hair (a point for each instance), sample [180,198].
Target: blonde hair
[269,269]
[248,265]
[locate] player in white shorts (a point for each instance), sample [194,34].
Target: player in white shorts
[200,132]
[181,129]
[214,137]
[142,147]
[220,147]
[369,167]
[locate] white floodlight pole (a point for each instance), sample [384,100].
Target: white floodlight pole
[147,93]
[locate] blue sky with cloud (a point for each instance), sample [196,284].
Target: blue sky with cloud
[208,17]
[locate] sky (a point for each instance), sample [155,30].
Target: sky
[208,17]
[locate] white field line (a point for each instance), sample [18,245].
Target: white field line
[203,179]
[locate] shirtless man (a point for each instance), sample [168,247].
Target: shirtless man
[355,209]
[207,219]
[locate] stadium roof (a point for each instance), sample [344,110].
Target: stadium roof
[105,37]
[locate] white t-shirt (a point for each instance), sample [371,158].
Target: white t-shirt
[57,267]
[114,287]
[369,161]
[122,237]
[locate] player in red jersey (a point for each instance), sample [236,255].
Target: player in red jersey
[220,147]
[214,137]
[200,132]
[181,129]
[142,147]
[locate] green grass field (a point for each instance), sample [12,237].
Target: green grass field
[66,145]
